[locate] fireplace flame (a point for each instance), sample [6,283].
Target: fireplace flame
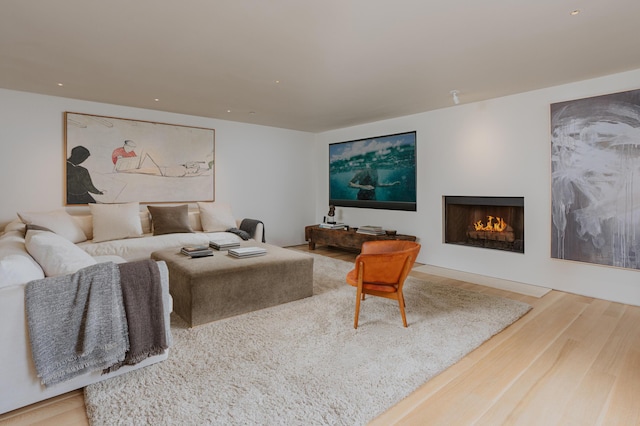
[498,226]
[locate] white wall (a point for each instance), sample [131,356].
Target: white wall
[499,147]
[262,172]
[281,176]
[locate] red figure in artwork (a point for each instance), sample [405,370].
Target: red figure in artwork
[127,150]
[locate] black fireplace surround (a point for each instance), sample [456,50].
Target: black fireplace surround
[488,222]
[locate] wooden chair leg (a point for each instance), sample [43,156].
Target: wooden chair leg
[401,304]
[359,294]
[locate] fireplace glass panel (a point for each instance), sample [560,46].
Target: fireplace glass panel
[487,222]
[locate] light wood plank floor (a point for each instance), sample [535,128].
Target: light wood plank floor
[572,360]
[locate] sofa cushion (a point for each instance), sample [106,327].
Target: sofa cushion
[170,220]
[109,258]
[36,228]
[59,221]
[133,249]
[85,221]
[55,254]
[116,221]
[16,265]
[216,217]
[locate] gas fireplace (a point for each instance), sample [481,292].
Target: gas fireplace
[487,222]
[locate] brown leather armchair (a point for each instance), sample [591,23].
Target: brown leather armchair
[381,269]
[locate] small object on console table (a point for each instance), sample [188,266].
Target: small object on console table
[337,225]
[331,214]
[345,239]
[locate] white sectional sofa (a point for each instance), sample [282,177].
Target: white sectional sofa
[19,384]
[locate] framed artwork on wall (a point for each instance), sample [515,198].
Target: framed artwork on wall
[595,180]
[377,173]
[115,160]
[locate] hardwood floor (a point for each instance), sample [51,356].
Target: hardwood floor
[572,360]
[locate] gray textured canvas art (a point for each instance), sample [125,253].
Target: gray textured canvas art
[595,182]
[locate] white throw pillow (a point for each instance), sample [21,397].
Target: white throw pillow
[116,221]
[59,221]
[56,255]
[216,217]
[16,265]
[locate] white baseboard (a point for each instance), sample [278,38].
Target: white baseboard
[514,286]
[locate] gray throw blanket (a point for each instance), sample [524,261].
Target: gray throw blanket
[76,322]
[142,296]
[240,233]
[250,225]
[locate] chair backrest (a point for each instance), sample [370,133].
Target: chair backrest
[387,261]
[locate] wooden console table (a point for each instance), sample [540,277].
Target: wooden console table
[350,239]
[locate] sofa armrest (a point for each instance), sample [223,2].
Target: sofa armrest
[20,384]
[258,232]
[258,235]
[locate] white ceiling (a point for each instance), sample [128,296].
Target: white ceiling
[338,62]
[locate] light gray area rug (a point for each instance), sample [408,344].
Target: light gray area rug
[303,363]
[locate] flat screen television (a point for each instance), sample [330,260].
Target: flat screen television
[377,173]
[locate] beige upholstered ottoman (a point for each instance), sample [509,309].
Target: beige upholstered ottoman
[211,288]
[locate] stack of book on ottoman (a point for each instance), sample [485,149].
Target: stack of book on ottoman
[224,245]
[197,251]
[243,252]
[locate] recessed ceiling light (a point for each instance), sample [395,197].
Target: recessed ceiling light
[60,84]
[228,110]
[252,112]
[277,81]
[574,12]
[157,100]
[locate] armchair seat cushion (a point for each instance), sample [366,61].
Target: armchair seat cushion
[381,287]
[352,279]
